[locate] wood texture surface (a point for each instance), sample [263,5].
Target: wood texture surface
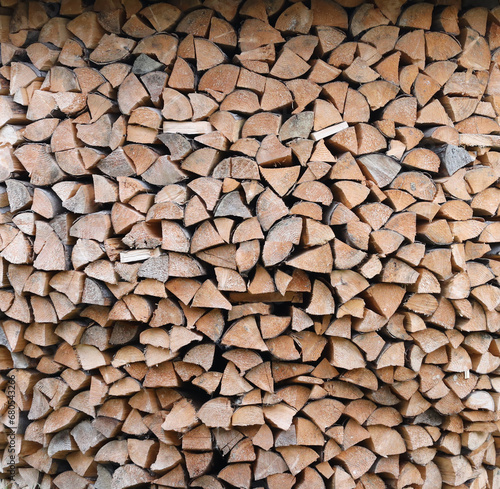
[249,244]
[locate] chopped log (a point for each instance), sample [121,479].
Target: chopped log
[381,169]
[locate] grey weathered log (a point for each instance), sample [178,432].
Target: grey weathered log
[144,64]
[453,158]
[155,267]
[177,144]
[297,126]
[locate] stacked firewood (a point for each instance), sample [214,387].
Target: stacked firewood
[249,244]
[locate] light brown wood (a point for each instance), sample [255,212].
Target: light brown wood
[312,186]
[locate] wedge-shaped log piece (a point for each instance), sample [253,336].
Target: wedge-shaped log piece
[255,33]
[208,296]
[488,295]
[356,108]
[347,283]
[379,93]
[232,204]
[402,110]
[385,441]
[454,470]
[131,94]
[95,226]
[204,237]
[245,333]
[238,475]
[216,413]
[316,233]
[279,415]
[379,168]
[40,164]
[423,159]
[208,54]
[453,158]
[273,153]
[357,460]
[162,16]
[430,339]
[298,458]
[241,101]
[350,193]
[289,65]
[437,232]
[385,298]
[295,19]
[322,301]
[319,259]
[12,112]
[343,353]
[219,81]
[297,126]
[416,184]
[366,17]
[281,179]
[270,208]
[314,192]
[111,49]
[476,53]
[280,240]
[398,272]
[176,106]
[440,46]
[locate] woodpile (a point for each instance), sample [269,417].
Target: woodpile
[250,244]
